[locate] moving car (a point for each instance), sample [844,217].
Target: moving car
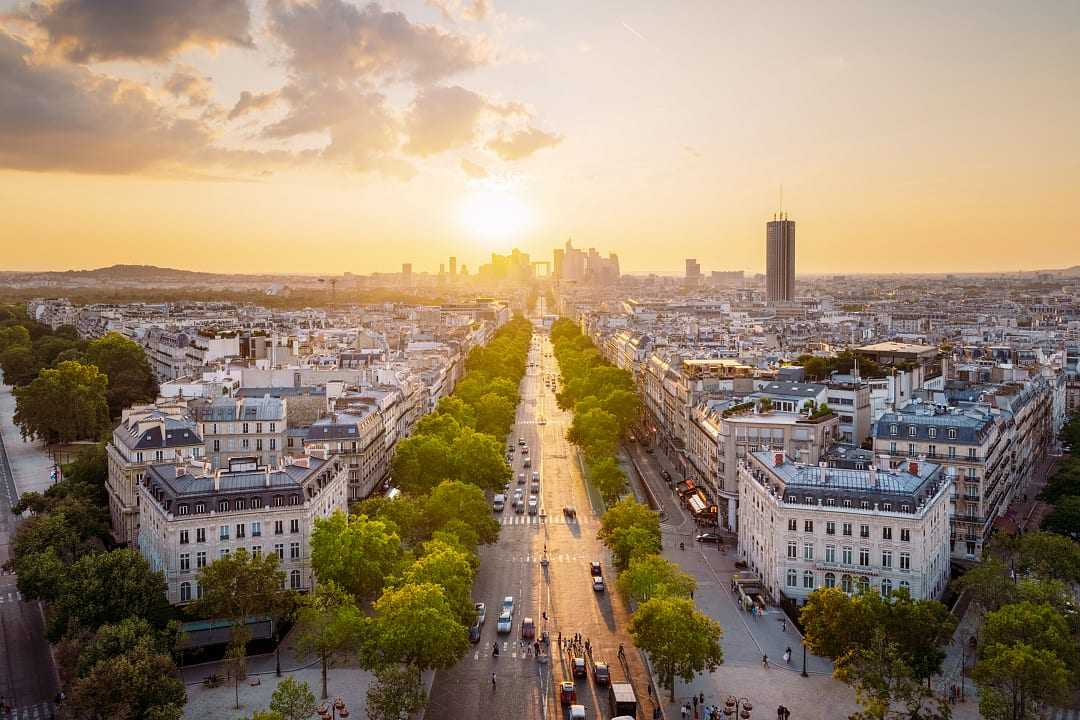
[534,490]
[527,463]
[519,509]
[567,693]
[578,667]
[499,503]
[474,634]
[508,604]
[577,712]
[710,537]
[521,441]
[536,477]
[595,568]
[525,450]
[506,622]
[528,629]
[601,673]
[666,475]
[534,505]
[521,478]
[598,584]
[481,613]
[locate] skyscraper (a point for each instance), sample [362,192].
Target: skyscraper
[780,259]
[693,270]
[453,266]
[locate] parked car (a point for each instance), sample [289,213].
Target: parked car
[598,584]
[506,623]
[499,503]
[666,475]
[710,537]
[534,489]
[474,634]
[536,477]
[595,568]
[577,712]
[481,613]
[528,629]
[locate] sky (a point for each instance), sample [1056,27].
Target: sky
[330,135]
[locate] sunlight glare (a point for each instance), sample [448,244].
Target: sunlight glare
[494,212]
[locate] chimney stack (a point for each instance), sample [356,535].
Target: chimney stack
[913,467]
[778,458]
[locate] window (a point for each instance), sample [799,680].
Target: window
[864,584]
[808,551]
[294,579]
[182,509]
[294,525]
[845,584]
[245,427]
[808,526]
[905,561]
[912,431]
[952,451]
[905,585]
[792,578]
[224,553]
[185,561]
[223,532]
[886,558]
[200,559]
[185,592]
[272,427]
[244,443]
[223,506]
[294,551]
[952,433]
[892,447]
[258,427]
[911,450]
[931,450]
[830,580]
[200,508]
[256,551]
[831,502]
[830,527]
[241,504]
[886,587]
[183,537]
[808,580]
[847,528]
[258,443]
[256,529]
[846,555]
[905,535]
[256,503]
[792,549]
[240,530]
[847,503]
[971,453]
[279,550]
[200,535]
[294,499]
[273,443]
[830,553]
[887,507]
[864,557]
[792,524]
[278,501]
[893,429]
[931,432]
[886,532]
[217,446]
[864,530]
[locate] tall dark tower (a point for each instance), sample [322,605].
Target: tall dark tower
[780,259]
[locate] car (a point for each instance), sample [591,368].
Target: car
[520,508]
[481,613]
[666,475]
[521,478]
[595,568]
[474,634]
[534,489]
[536,477]
[521,441]
[499,503]
[528,629]
[598,583]
[508,604]
[710,537]
[649,450]
[567,693]
[534,506]
[506,622]
[577,712]
[601,673]
[578,667]
[525,450]
[527,463]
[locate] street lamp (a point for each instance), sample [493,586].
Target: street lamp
[337,709]
[804,658]
[740,707]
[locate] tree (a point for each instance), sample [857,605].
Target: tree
[415,625]
[355,552]
[653,576]
[104,588]
[1049,555]
[1065,519]
[138,684]
[329,623]
[989,585]
[634,542]
[293,700]
[625,405]
[402,515]
[449,568]
[241,585]
[63,404]
[680,640]
[885,686]
[421,462]
[19,365]
[494,414]
[1039,626]
[626,514]
[117,639]
[832,623]
[458,409]
[1016,681]
[444,425]
[235,660]
[455,500]
[477,458]
[396,694]
[14,336]
[609,479]
[131,380]
[596,432]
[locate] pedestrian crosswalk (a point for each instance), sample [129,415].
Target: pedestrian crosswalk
[514,519]
[553,557]
[15,596]
[41,711]
[511,649]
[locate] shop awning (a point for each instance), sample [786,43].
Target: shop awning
[697,503]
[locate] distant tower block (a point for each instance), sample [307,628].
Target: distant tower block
[780,259]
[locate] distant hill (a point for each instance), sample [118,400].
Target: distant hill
[149,277]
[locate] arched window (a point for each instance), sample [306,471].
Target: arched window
[808,580]
[864,584]
[845,584]
[792,578]
[830,580]
[185,592]
[886,587]
[294,579]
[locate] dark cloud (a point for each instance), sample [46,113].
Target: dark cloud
[473,170]
[522,143]
[333,39]
[67,118]
[442,118]
[87,30]
[253,102]
[187,83]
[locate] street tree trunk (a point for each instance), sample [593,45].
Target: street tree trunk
[325,662]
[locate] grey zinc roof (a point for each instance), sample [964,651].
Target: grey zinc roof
[800,476]
[792,389]
[288,477]
[971,426]
[178,433]
[249,409]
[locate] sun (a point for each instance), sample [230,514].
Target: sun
[494,212]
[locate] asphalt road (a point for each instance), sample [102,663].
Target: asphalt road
[27,680]
[525,688]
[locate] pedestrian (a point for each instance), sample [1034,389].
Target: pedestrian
[779,712]
[787,713]
[765,661]
[701,699]
[787,656]
[492,681]
[691,594]
[694,699]
[560,638]
[536,647]
[684,711]
[783,624]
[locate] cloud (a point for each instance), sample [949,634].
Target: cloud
[67,118]
[332,39]
[472,169]
[475,10]
[442,118]
[89,30]
[187,83]
[253,102]
[522,143]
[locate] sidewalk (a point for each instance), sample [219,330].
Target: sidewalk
[30,464]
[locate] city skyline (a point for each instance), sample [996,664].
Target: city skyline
[485,126]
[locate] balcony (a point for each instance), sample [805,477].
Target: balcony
[971,519]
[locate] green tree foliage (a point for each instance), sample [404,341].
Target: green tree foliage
[416,625]
[141,683]
[396,694]
[329,624]
[1048,555]
[680,640]
[1039,626]
[19,365]
[14,336]
[596,432]
[106,588]
[652,576]
[421,462]
[453,500]
[293,700]
[402,515]
[494,414]
[357,553]
[64,404]
[886,687]
[450,568]
[452,407]
[478,459]
[609,479]
[131,381]
[1017,681]
[1065,518]
[630,529]
[241,585]
[117,639]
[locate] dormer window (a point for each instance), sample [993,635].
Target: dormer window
[256,503]
[240,503]
[912,431]
[294,499]
[223,506]
[952,433]
[931,432]
[182,509]
[200,507]
[893,429]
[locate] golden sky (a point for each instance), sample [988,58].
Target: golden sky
[331,135]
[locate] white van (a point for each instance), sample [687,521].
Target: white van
[499,503]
